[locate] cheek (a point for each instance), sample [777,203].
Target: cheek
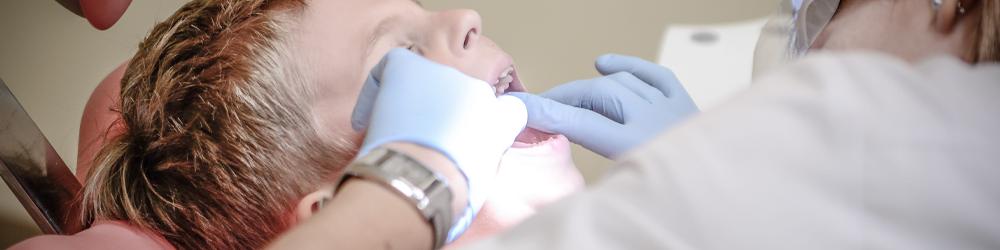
[834,41]
[857,38]
[332,117]
[478,62]
[481,67]
[860,25]
[489,55]
[838,35]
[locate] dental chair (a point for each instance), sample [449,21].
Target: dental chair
[34,172]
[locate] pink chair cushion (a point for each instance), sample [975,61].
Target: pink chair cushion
[98,117]
[107,235]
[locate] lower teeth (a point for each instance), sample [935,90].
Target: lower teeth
[546,140]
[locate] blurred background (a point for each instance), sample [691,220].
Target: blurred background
[52,59]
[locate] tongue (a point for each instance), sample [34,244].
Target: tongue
[530,136]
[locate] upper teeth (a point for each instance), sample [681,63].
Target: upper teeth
[503,74]
[506,72]
[503,81]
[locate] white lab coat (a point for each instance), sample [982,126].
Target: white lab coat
[845,151]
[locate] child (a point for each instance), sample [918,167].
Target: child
[234,117]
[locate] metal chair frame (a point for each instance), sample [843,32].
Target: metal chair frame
[32,169]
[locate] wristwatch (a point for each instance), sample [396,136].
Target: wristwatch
[424,187]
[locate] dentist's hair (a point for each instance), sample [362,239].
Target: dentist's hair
[988,32]
[218,142]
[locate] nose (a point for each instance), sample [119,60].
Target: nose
[465,29]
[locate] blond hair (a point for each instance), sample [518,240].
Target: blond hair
[218,142]
[987,34]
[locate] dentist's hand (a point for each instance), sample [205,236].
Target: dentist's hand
[408,98]
[631,103]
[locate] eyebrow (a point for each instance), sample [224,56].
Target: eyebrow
[383,27]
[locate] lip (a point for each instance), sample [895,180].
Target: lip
[507,62]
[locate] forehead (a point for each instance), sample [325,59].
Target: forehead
[357,10]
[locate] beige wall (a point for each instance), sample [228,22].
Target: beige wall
[52,60]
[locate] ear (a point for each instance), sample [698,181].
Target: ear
[947,15]
[312,202]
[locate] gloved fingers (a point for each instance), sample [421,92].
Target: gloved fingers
[585,127]
[684,99]
[400,54]
[366,101]
[637,86]
[653,74]
[404,62]
[507,118]
[362,113]
[512,116]
[603,95]
[553,117]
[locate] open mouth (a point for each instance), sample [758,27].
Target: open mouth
[530,137]
[507,81]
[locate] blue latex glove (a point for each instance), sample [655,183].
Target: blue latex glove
[408,98]
[631,103]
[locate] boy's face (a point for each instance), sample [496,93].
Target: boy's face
[339,41]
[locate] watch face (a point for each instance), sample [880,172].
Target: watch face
[406,168]
[423,186]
